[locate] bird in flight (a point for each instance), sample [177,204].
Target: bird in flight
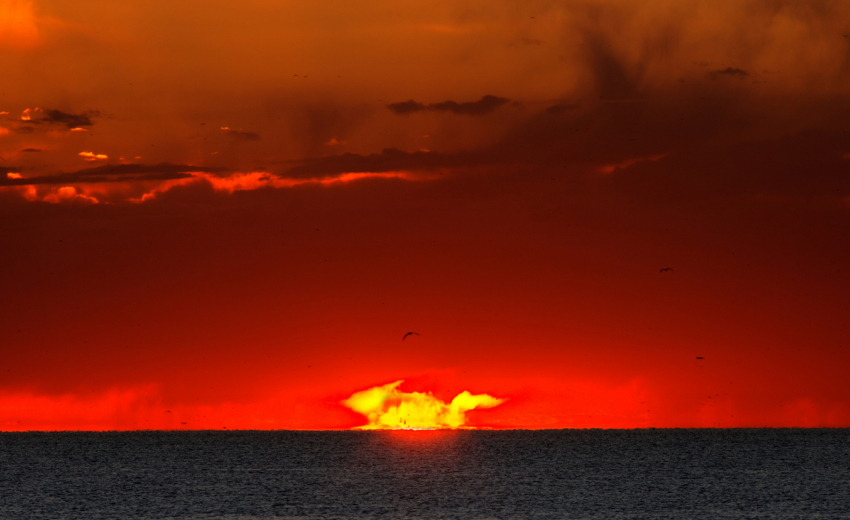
[408,334]
[665,269]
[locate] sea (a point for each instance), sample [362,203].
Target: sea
[481,474]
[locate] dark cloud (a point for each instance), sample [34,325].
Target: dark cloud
[740,178]
[115,173]
[131,169]
[31,150]
[242,135]
[485,105]
[561,107]
[390,159]
[407,107]
[615,79]
[729,72]
[57,117]
[661,156]
[69,120]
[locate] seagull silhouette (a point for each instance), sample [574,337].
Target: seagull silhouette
[665,269]
[408,334]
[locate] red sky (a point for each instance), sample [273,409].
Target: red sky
[221,214]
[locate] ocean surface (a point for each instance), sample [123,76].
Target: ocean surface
[577,474]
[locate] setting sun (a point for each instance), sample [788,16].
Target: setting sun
[387,407]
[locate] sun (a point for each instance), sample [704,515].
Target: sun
[388,408]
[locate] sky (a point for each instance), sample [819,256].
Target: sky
[593,213]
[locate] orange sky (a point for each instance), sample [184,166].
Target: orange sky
[227,214]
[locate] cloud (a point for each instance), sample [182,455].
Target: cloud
[259,180]
[7,170]
[170,176]
[91,156]
[485,105]
[69,120]
[614,79]
[241,135]
[114,173]
[31,150]
[729,72]
[74,122]
[796,167]
[154,407]
[69,194]
[561,108]
[390,159]
[611,168]
[407,107]
[619,51]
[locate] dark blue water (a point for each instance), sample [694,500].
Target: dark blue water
[675,474]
